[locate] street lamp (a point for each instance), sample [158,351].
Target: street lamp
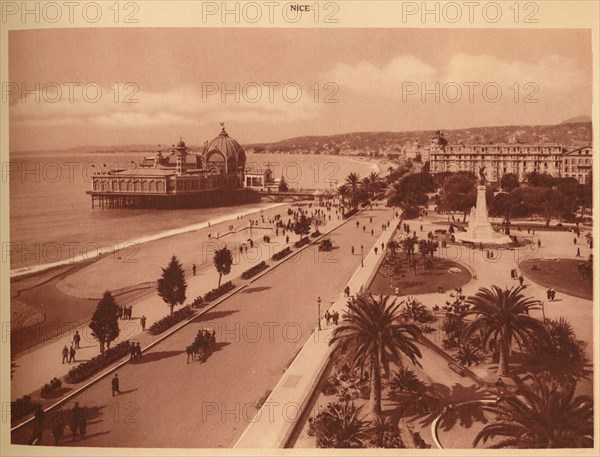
[362,263]
[319,310]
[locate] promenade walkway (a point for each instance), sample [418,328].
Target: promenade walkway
[259,332]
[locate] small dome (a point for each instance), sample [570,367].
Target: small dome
[180,144]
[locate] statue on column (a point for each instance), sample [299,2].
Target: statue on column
[482,175]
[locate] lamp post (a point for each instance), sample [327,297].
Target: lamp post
[319,310]
[362,263]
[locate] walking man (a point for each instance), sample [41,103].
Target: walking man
[65,354]
[76,339]
[352,250]
[194,269]
[115,384]
[521,279]
[72,353]
[143,323]
[578,253]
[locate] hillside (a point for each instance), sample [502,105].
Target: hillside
[567,134]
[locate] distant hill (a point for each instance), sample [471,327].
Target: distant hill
[567,133]
[576,119]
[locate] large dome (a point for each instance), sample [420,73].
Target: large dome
[229,149]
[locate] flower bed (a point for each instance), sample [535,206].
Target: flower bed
[301,242]
[198,302]
[255,270]
[281,254]
[21,407]
[51,386]
[169,321]
[95,364]
[315,234]
[221,290]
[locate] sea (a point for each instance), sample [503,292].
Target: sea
[52,221]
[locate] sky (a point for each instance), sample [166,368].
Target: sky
[102,87]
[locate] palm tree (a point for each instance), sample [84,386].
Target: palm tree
[468,355]
[343,191]
[223,259]
[501,317]
[373,177]
[542,414]
[372,336]
[353,179]
[406,381]
[366,181]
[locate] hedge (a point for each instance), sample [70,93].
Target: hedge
[21,407]
[198,302]
[169,321]
[51,386]
[315,234]
[253,271]
[95,364]
[301,242]
[350,213]
[221,290]
[281,254]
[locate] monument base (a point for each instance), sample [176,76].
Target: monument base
[495,239]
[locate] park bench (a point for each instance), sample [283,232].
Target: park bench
[456,368]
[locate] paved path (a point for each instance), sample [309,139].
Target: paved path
[259,331]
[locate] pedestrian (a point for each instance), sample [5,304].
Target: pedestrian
[82,425]
[548,294]
[521,279]
[58,429]
[194,269]
[528,230]
[552,294]
[327,317]
[143,322]
[75,419]
[335,317]
[575,240]
[287,239]
[115,384]
[132,351]
[347,291]
[120,312]
[382,247]
[364,228]
[539,243]
[76,339]
[72,353]
[376,250]
[39,417]
[397,291]
[65,354]
[421,228]
[578,253]
[352,250]
[138,350]
[357,224]
[371,219]
[372,232]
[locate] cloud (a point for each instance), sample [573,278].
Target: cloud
[552,74]
[180,106]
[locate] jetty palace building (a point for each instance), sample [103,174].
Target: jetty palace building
[517,158]
[211,176]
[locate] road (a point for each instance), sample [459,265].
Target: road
[166,402]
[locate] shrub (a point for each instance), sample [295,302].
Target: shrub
[169,321]
[315,234]
[198,302]
[350,213]
[51,386]
[217,292]
[281,254]
[95,364]
[21,407]
[253,271]
[301,242]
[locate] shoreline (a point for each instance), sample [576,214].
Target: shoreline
[107,250]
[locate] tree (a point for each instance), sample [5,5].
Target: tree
[283,185]
[540,414]
[509,182]
[343,191]
[371,337]
[459,192]
[353,179]
[366,182]
[223,261]
[302,226]
[172,285]
[373,177]
[501,317]
[105,321]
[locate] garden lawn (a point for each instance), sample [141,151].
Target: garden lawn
[559,274]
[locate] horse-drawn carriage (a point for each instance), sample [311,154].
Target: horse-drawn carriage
[203,345]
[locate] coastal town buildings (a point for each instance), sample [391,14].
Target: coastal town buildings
[213,176]
[517,158]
